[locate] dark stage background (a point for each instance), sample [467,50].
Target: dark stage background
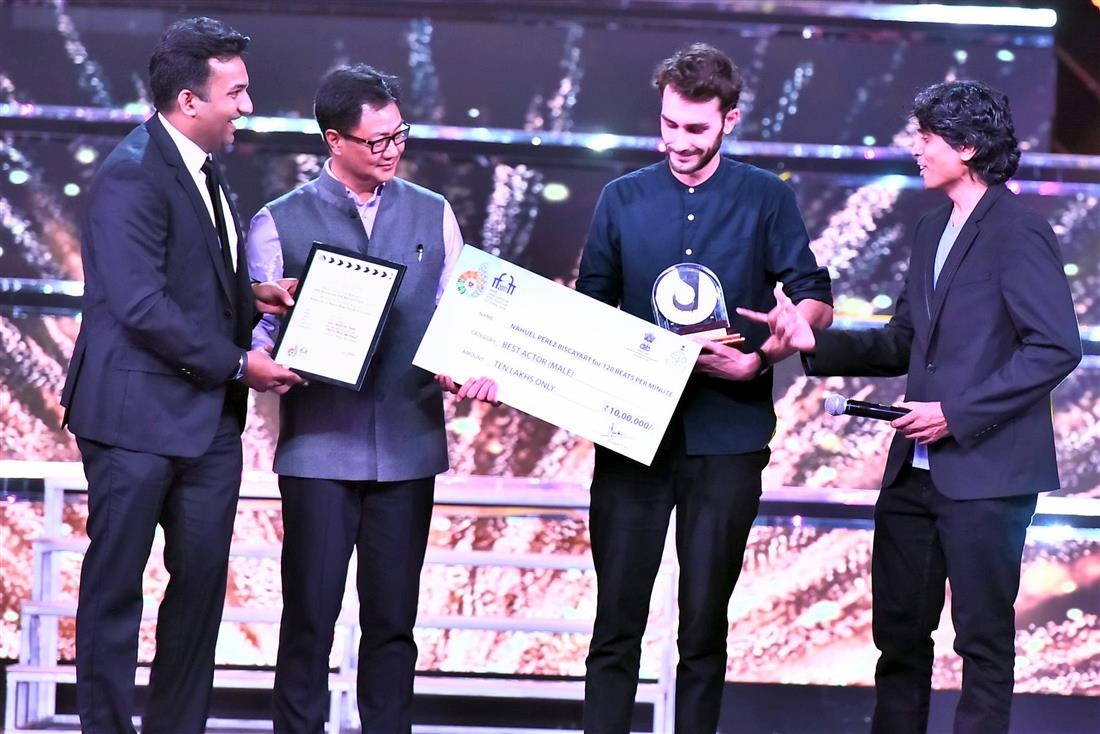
[521,112]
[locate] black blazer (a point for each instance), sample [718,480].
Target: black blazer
[990,342]
[164,323]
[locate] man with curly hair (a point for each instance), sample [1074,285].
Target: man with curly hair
[985,329]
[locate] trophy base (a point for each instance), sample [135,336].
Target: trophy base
[721,335]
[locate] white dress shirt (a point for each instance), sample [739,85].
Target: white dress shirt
[193,158]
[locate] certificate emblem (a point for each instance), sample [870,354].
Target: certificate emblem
[471,283]
[505,283]
[687,298]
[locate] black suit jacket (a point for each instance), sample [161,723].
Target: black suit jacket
[164,323]
[990,342]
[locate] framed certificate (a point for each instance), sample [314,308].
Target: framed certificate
[340,308]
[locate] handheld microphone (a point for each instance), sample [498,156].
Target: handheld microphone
[840,405]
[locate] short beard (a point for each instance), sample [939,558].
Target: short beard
[706,157]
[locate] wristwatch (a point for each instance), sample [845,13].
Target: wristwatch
[765,365]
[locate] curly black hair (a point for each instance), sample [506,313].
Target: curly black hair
[970,114]
[700,73]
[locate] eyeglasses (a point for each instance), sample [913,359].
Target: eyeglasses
[380,144]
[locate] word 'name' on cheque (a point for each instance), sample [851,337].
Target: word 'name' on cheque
[589,359]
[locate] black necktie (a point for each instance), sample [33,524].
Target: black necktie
[219,215]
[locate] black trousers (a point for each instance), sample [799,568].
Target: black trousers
[922,540]
[716,500]
[323,520]
[195,501]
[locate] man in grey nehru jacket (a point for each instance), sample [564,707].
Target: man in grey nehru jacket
[357,469]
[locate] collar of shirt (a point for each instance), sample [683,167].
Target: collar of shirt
[193,156]
[193,159]
[360,205]
[368,211]
[711,181]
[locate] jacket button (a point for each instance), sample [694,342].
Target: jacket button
[931,367]
[227,313]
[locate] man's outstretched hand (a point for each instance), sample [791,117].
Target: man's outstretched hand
[789,327]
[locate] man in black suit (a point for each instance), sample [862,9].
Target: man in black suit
[156,390]
[985,329]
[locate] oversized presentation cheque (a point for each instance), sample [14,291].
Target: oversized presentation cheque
[558,355]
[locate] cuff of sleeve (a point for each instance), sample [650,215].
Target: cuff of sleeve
[965,433]
[808,366]
[815,285]
[815,364]
[242,366]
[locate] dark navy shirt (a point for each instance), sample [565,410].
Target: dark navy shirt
[742,223]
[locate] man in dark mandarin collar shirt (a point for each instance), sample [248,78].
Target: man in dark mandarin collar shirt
[743,224]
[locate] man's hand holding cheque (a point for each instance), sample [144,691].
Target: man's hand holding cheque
[481,388]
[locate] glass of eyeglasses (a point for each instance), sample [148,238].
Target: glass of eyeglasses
[380,144]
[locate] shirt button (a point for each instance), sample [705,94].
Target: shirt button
[691,189]
[687,251]
[691,217]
